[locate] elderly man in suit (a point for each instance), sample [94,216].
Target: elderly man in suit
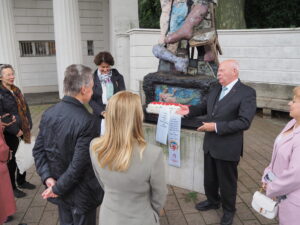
[230,108]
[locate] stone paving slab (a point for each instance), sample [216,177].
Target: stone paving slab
[178,211]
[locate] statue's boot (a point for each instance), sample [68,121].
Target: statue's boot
[211,52]
[209,55]
[195,17]
[181,64]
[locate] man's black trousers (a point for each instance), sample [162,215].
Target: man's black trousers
[220,181]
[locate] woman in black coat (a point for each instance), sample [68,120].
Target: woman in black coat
[13,102]
[107,82]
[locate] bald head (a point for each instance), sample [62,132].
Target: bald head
[228,71]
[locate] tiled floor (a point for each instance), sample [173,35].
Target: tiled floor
[258,148]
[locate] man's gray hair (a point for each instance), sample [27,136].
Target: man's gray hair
[76,76]
[5,66]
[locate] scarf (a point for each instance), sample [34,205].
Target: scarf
[22,111]
[105,79]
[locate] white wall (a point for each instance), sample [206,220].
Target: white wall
[121,57]
[142,60]
[265,55]
[34,21]
[123,15]
[94,26]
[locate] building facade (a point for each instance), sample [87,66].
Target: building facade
[41,37]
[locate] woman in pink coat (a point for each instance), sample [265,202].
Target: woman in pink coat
[7,200]
[282,176]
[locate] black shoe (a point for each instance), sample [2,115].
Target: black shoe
[206,205]
[227,218]
[18,193]
[8,219]
[27,185]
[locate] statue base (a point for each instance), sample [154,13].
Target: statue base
[190,175]
[195,67]
[175,87]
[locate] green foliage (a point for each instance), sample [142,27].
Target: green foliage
[272,13]
[149,13]
[258,13]
[191,196]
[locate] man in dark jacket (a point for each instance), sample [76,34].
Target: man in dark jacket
[61,151]
[230,108]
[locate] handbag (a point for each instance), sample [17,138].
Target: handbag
[24,158]
[264,205]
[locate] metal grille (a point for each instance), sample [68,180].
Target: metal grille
[37,48]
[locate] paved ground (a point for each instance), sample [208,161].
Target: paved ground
[258,147]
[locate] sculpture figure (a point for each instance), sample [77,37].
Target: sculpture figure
[184,24]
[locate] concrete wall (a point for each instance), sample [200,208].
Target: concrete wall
[94,26]
[190,175]
[34,21]
[268,59]
[266,56]
[123,17]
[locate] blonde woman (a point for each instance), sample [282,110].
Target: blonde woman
[130,171]
[282,176]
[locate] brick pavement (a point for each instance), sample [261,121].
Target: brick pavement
[33,210]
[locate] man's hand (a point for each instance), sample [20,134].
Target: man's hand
[103,113]
[48,193]
[184,110]
[207,127]
[50,182]
[20,133]
[161,212]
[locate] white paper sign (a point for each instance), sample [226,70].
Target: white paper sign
[163,126]
[174,140]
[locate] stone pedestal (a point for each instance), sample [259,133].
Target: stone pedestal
[191,173]
[182,89]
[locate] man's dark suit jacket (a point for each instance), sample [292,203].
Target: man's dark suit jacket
[96,100]
[233,114]
[61,151]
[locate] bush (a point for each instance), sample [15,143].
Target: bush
[272,13]
[149,13]
[258,13]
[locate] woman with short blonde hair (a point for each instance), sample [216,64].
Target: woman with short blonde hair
[130,171]
[281,177]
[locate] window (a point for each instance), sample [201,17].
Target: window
[90,47]
[37,48]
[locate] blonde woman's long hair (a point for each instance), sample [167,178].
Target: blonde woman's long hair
[123,129]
